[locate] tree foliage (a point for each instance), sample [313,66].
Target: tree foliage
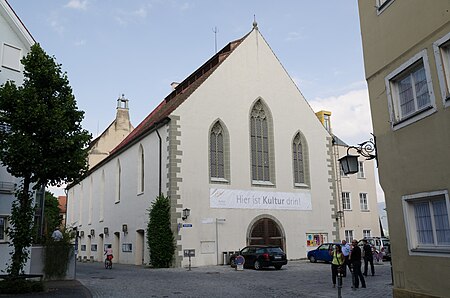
[41,139]
[52,218]
[160,237]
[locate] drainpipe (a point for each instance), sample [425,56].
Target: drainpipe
[160,160]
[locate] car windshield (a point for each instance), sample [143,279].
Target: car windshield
[274,249]
[386,242]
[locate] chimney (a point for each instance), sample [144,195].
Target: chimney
[324,117]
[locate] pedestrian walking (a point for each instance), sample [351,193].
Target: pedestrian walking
[368,258]
[57,235]
[355,260]
[346,253]
[337,262]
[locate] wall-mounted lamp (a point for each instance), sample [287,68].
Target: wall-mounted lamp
[125,228]
[92,232]
[186,213]
[105,230]
[339,214]
[349,163]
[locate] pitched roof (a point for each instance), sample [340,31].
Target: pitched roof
[181,92]
[338,141]
[16,23]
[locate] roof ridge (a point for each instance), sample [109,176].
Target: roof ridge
[176,97]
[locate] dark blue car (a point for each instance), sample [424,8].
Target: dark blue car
[321,253]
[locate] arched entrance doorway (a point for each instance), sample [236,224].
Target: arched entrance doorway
[265,231]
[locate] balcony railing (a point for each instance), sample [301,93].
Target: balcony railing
[7,187]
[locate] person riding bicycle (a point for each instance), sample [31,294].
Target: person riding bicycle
[109,252]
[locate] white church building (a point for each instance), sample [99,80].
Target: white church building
[237,145]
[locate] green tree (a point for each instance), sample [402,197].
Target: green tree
[52,218]
[42,140]
[160,238]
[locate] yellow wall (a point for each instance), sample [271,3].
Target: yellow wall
[414,158]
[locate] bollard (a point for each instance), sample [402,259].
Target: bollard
[339,276]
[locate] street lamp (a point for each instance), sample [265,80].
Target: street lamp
[186,213]
[349,163]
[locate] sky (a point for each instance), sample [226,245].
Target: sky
[138,47]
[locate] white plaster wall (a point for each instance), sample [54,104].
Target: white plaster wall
[133,206]
[250,72]
[10,37]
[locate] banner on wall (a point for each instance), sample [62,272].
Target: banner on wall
[249,199]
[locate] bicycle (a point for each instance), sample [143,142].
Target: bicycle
[108,262]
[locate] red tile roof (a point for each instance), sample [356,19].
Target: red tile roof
[62,204]
[181,92]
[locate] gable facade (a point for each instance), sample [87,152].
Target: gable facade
[243,151]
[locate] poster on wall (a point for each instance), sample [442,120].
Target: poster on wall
[316,239]
[250,199]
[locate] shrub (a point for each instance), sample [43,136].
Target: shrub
[160,237]
[57,255]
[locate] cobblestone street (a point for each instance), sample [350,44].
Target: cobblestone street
[297,279]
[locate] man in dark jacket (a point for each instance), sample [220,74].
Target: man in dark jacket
[355,260]
[368,258]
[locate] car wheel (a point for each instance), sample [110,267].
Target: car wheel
[257,265]
[278,267]
[312,259]
[232,263]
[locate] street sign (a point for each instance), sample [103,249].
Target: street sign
[189,252]
[239,261]
[187,225]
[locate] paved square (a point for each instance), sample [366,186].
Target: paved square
[297,279]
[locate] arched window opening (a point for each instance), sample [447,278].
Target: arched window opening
[260,129]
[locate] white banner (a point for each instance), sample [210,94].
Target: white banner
[250,199]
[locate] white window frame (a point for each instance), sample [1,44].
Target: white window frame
[441,48]
[361,174]
[398,122]
[410,224]
[349,236]
[363,205]
[367,233]
[349,200]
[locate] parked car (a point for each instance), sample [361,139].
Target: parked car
[321,253]
[382,246]
[259,256]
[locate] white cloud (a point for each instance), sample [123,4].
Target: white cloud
[80,43]
[77,4]
[292,36]
[124,17]
[55,23]
[350,115]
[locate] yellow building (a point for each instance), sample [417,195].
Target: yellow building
[407,65]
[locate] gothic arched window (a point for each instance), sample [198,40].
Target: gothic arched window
[261,144]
